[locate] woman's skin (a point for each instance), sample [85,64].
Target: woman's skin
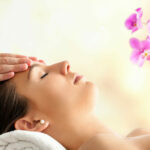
[138,139]
[11,63]
[67,109]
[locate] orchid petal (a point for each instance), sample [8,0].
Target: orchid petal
[139,23]
[129,23]
[135,56]
[148,25]
[134,29]
[139,12]
[145,44]
[141,61]
[135,44]
[148,58]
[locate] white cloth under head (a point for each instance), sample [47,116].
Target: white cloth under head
[28,140]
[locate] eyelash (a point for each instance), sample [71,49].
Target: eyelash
[44,75]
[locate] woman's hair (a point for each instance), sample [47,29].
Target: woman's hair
[12,106]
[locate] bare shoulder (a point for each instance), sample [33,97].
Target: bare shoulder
[140,137]
[141,141]
[107,142]
[139,132]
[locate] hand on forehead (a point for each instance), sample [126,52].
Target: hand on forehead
[12,63]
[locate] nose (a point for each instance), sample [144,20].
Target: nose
[65,67]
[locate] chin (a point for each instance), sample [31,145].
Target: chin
[92,95]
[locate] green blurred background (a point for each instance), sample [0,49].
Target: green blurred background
[91,35]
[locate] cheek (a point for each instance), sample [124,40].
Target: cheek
[57,96]
[65,97]
[57,93]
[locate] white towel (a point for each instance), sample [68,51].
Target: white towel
[28,140]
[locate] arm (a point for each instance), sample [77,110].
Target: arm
[108,142]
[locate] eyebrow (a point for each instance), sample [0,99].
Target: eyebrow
[30,70]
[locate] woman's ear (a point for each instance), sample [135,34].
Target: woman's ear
[26,124]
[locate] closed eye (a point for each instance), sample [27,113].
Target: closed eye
[44,75]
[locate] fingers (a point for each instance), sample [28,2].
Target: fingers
[11,63]
[11,55]
[13,68]
[33,58]
[17,60]
[12,60]
[42,61]
[6,76]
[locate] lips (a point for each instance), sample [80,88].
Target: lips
[77,78]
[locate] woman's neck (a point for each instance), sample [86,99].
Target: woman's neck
[88,129]
[74,134]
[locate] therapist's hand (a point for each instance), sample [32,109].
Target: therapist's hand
[11,63]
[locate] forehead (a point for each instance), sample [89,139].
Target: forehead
[21,78]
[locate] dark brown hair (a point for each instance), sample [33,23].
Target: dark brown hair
[12,106]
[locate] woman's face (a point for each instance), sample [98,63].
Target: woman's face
[51,90]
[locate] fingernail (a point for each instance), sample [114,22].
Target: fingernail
[29,62]
[11,74]
[33,58]
[42,61]
[24,66]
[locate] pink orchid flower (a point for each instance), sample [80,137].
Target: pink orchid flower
[134,20]
[141,51]
[148,25]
